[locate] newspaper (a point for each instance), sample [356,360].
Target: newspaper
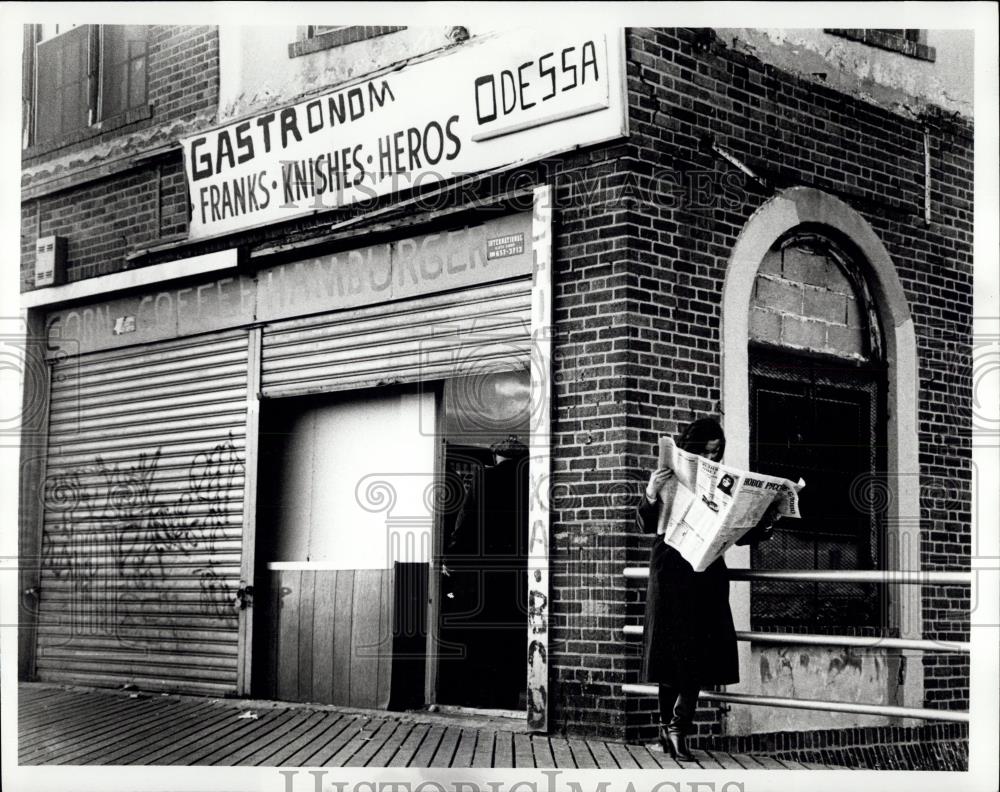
[713,506]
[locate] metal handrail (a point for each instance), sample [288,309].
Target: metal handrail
[815,704]
[919,578]
[872,641]
[916,578]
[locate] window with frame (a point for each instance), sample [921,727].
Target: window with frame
[313,38]
[911,42]
[84,75]
[818,411]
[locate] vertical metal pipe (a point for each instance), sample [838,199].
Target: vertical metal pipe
[927,175]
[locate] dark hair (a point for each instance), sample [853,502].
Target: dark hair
[698,434]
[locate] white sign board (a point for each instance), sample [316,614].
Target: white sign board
[489,102]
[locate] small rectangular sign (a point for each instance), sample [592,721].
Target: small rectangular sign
[501,247]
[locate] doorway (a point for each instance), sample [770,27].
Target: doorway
[343,543]
[482,617]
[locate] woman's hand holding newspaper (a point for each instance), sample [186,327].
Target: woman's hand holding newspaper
[657,479]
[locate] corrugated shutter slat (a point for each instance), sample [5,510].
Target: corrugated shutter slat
[143,516]
[427,338]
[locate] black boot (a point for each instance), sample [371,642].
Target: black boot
[674,742]
[679,726]
[667,697]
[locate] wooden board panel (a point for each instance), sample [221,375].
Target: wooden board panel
[765,761]
[43,746]
[230,741]
[160,751]
[392,746]
[665,760]
[622,756]
[82,751]
[503,749]
[287,669]
[743,760]
[374,743]
[324,617]
[543,751]
[330,750]
[184,713]
[342,632]
[62,718]
[523,755]
[602,755]
[365,637]
[582,757]
[642,755]
[176,752]
[307,587]
[383,683]
[729,762]
[410,746]
[446,749]
[483,757]
[465,749]
[306,753]
[425,753]
[312,737]
[265,742]
[704,760]
[357,740]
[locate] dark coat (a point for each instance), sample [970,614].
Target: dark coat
[688,634]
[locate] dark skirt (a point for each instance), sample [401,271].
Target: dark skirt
[688,634]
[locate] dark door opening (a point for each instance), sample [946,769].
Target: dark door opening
[482,627]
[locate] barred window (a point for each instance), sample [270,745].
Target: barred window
[817,412]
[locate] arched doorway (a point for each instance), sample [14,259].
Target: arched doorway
[886,373]
[817,412]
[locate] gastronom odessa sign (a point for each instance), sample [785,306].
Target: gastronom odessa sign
[492,101]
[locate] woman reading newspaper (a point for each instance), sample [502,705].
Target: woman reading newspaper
[688,635]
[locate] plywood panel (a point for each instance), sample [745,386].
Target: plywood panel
[324,617]
[365,637]
[385,655]
[306,628]
[342,637]
[287,669]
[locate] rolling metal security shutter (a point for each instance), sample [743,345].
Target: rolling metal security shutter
[143,516]
[444,335]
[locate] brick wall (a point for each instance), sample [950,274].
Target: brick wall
[684,85]
[105,218]
[183,70]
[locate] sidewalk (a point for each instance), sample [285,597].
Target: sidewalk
[85,726]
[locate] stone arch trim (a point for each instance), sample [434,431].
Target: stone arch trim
[786,210]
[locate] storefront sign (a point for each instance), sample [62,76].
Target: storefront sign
[510,97]
[411,267]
